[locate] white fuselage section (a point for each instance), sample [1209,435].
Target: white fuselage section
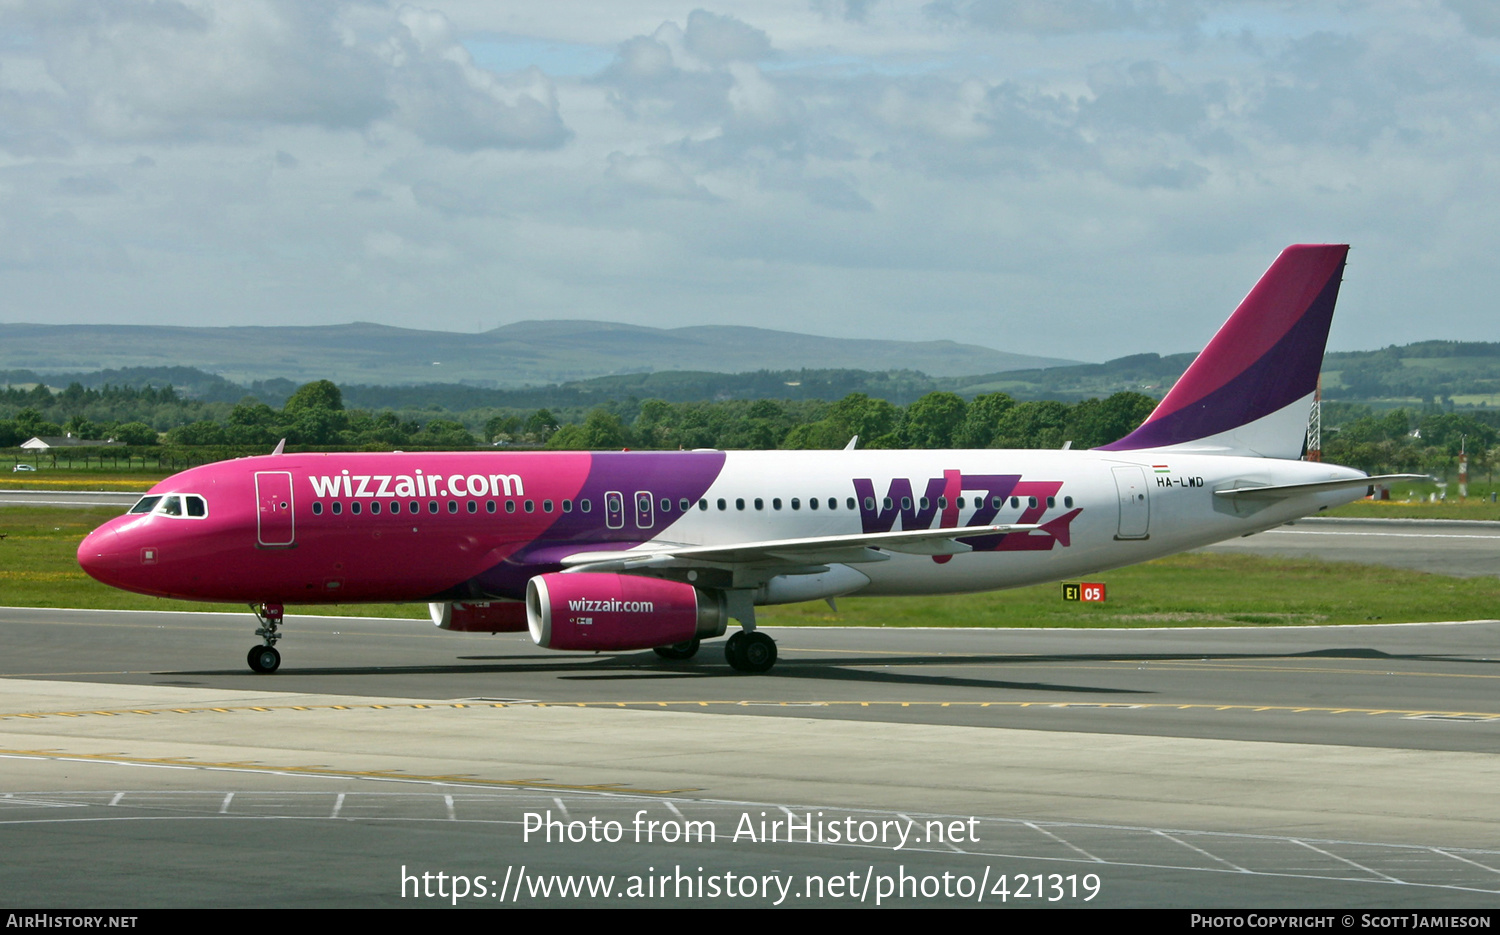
[1127,508]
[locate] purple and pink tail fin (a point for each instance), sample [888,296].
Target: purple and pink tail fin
[1249,390]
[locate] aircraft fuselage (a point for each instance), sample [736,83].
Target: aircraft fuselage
[346,528]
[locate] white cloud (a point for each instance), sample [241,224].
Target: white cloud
[184,71]
[718,40]
[177,71]
[440,94]
[654,176]
[1046,17]
[1049,178]
[1480,17]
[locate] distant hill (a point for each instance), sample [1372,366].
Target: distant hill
[1458,373]
[1150,374]
[525,353]
[1453,374]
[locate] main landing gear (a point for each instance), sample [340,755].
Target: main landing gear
[750,651]
[746,651]
[684,650]
[264,659]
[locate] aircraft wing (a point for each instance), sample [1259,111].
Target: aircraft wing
[814,550]
[1282,491]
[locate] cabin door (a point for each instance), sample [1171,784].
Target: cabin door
[274,528]
[1135,502]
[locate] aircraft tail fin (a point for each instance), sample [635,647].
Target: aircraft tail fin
[1249,390]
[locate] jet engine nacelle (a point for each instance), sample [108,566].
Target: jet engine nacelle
[596,611]
[479,616]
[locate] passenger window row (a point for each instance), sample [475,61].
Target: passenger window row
[996,503]
[850,503]
[434,507]
[759,503]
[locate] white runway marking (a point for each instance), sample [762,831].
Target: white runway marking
[1388,535]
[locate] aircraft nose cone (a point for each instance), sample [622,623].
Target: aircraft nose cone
[99,555]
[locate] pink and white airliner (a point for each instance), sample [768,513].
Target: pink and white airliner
[622,551]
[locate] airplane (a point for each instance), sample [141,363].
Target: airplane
[625,550]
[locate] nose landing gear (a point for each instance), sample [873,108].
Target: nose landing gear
[265,659]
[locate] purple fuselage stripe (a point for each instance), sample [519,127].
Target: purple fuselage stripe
[671,475]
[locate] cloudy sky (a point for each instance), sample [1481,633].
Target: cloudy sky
[1074,178]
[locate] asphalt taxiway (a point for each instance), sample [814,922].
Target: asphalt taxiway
[1461,548]
[68,498]
[143,766]
[1278,767]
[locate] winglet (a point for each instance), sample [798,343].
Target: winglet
[280,447]
[1249,390]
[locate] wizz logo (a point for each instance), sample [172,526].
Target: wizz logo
[985,494]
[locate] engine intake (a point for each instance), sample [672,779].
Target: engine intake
[595,611]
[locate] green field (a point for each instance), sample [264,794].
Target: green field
[79,479]
[38,569]
[1185,591]
[1471,509]
[1413,500]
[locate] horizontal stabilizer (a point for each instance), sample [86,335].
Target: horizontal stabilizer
[1283,491]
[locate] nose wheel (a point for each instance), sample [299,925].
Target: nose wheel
[265,659]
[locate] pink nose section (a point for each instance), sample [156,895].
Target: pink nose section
[99,555]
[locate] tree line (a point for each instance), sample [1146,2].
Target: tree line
[315,416]
[936,420]
[1404,441]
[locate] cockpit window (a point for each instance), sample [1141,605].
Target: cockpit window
[189,505]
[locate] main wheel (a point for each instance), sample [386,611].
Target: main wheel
[263,659]
[732,648]
[750,652]
[684,650]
